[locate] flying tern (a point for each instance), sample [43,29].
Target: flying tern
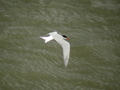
[60,39]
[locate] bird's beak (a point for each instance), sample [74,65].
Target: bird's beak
[67,38]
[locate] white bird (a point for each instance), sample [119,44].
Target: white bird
[64,44]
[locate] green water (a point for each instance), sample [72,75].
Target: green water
[27,63]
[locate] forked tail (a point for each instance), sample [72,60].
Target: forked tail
[47,39]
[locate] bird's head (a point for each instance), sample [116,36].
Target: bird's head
[65,37]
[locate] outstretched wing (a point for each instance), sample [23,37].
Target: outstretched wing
[66,51]
[65,45]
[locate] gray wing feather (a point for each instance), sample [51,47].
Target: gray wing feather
[65,45]
[66,51]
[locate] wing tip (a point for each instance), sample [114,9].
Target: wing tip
[66,60]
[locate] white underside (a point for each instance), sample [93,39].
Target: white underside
[64,44]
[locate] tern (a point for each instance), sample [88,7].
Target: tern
[60,39]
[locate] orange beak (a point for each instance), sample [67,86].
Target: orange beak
[67,39]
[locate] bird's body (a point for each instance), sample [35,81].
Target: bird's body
[60,40]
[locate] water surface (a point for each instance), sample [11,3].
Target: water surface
[27,63]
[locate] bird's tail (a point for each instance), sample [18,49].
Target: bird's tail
[47,39]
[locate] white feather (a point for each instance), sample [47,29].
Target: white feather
[64,44]
[47,39]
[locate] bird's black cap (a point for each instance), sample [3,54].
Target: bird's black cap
[64,36]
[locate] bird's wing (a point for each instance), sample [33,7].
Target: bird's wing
[66,51]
